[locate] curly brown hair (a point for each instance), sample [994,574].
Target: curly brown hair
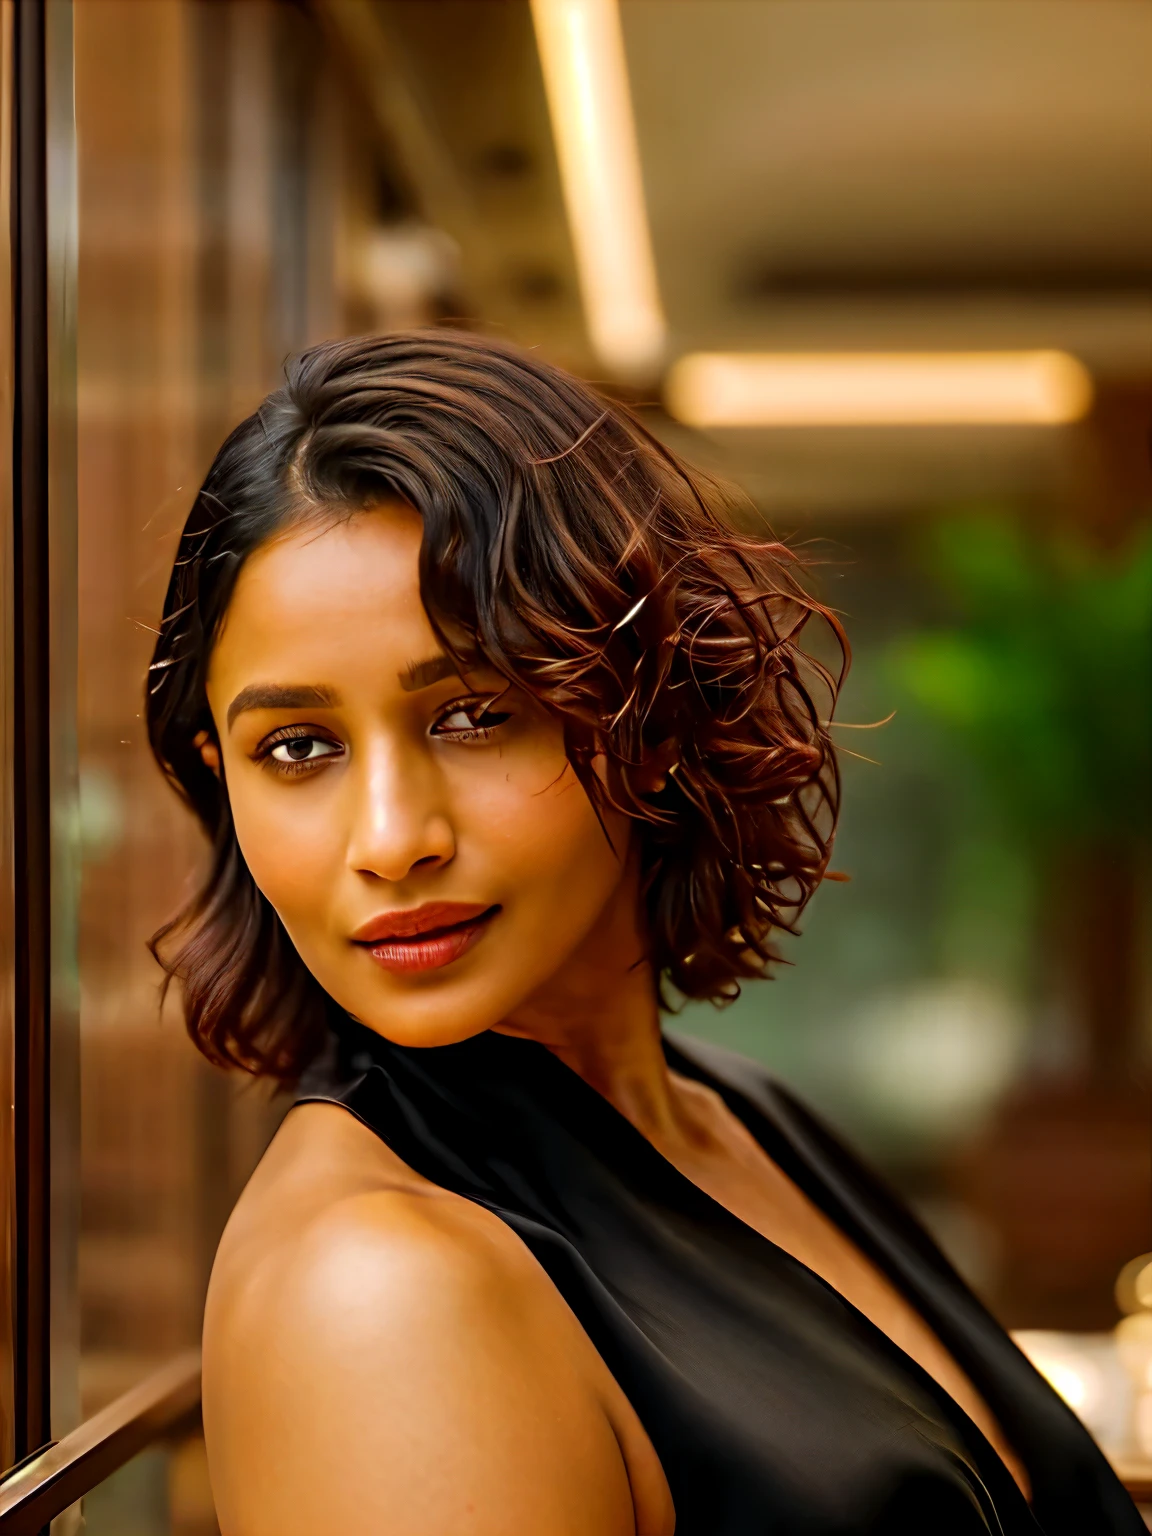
[566,545]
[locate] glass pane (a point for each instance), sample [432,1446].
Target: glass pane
[208,238]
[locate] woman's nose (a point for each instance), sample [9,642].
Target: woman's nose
[400,822]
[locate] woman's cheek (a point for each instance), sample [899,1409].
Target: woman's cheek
[530,807]
[287,846]
[553,847]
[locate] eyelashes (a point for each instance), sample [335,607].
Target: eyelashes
[295,750]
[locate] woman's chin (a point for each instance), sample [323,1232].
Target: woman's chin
[426,1012]
[422,1033]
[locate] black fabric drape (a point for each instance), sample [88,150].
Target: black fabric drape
[773,1404]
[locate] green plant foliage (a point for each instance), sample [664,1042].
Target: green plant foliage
[1045,675]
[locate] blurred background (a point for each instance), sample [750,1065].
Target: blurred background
[886,264]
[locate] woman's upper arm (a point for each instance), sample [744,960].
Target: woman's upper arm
[404,1374]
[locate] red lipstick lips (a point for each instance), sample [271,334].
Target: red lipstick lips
[424,938]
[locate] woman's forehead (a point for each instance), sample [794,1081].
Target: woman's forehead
[353,563]
[340,591]
[325,602]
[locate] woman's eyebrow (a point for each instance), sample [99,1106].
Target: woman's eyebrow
[281,696]
[422,674]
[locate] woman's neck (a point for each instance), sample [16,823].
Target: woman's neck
[600,1015]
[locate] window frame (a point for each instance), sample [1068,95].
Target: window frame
[29,1245]
[48,1460]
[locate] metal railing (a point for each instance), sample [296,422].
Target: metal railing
[51,1480]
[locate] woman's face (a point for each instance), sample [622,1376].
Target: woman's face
[422,835]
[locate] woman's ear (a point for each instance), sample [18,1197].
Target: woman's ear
[208,750]
[653,776]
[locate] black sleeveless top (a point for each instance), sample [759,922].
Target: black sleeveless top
[775,1407]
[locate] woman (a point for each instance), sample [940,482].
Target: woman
[505,740]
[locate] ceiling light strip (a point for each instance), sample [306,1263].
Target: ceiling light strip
[581,48]
[871,389]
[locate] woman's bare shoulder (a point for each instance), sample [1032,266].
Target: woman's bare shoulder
[335,1236]
[383,1355]
[334,1218]
[320,1159]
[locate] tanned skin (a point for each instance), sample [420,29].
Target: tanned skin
[382,1356]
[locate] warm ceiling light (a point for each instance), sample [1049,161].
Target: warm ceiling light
[586,77]
[873,389]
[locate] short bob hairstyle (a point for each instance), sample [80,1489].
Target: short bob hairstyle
[567,546]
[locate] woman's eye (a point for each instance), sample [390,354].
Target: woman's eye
[469,720]
[458,720]
[303,749]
